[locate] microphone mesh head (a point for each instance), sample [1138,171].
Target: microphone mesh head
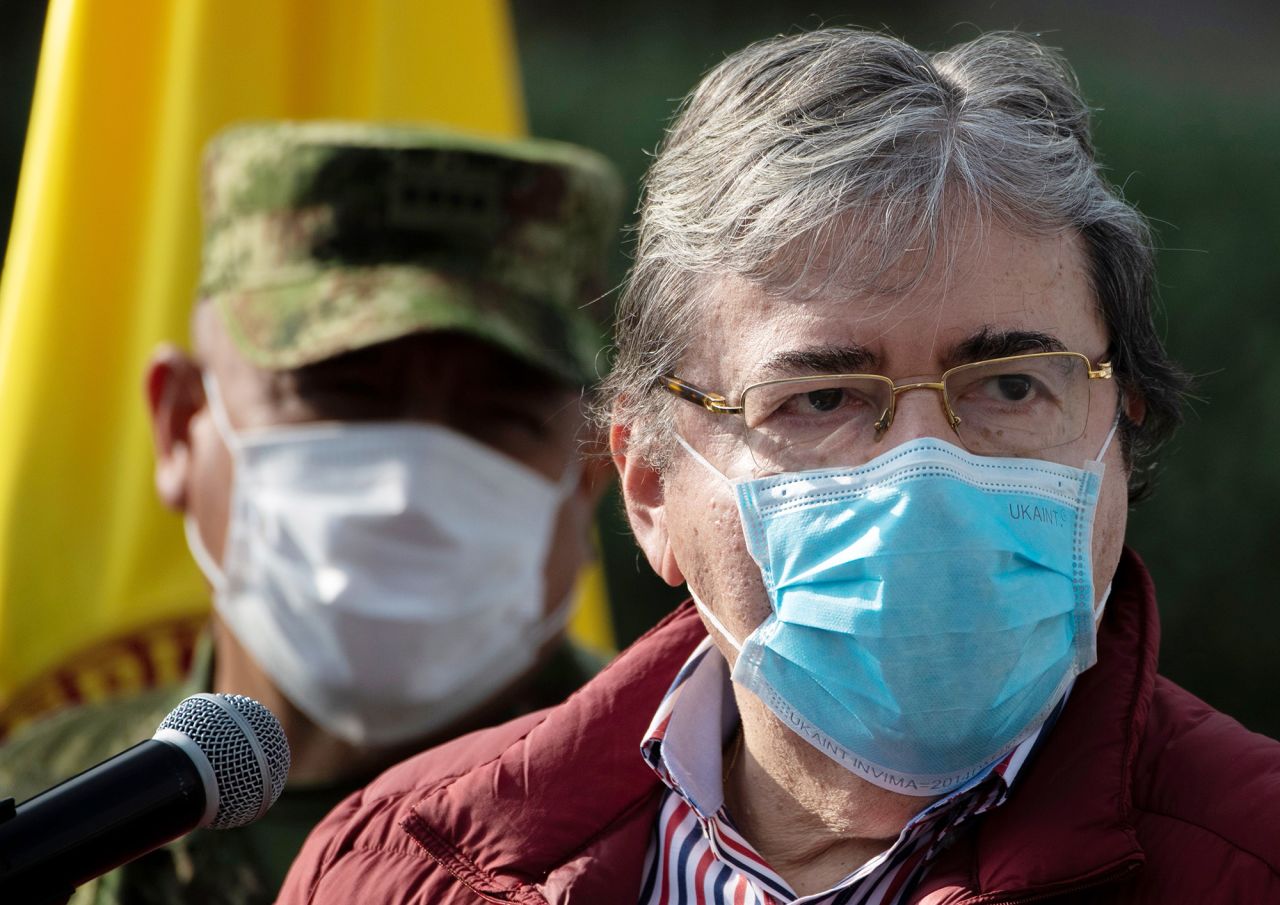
[237,757]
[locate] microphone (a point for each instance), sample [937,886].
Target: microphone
[216,761]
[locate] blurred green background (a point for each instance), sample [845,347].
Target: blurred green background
[1188,122]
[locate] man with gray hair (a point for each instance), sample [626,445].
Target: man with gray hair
[886,384]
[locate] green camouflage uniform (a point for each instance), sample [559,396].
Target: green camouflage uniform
[324,238]
[243,866]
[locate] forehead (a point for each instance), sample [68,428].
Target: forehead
[982,284]
[434,371]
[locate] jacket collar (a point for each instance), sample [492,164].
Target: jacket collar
[1069,821]
[572,802]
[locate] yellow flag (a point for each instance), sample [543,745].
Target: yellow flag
[102,263]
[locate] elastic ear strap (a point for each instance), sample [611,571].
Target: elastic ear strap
[569,478]
[1106,444]
[698,457]
[200,553]
[551,624]
[1102,605]
[711,617]
[218,411]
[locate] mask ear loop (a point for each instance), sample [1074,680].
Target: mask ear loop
[1095,465]
[218,411]
[1102,605]
[1106,444]
[200,553]
[554,622]
[569,478]
[697,601]
[195,543]
[711,617]
[1115,425]
[701,460]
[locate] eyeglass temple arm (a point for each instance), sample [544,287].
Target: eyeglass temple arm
[712,402]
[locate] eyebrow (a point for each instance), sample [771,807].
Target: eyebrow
[987,342]
[853,359]
[992,343]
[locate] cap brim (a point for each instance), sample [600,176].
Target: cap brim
[341,310]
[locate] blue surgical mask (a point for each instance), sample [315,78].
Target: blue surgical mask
[929,608]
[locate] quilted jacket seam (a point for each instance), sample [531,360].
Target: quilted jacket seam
[364,849]
[466,871]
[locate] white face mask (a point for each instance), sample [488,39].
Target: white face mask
[388,576]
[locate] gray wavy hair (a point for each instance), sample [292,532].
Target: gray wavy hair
[789,140]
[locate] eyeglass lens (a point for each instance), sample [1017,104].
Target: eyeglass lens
[1014,406]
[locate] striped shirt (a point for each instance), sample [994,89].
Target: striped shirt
[696,855]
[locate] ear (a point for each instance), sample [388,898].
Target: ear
[1135,407]
[644,496]
[174,394]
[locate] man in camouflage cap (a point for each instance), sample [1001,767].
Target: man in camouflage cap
[377,445]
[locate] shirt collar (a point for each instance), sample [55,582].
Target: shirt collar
[689,759]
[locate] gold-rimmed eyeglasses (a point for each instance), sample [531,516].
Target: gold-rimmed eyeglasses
[1015,405]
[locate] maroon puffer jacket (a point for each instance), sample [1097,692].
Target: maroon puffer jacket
[1142,794]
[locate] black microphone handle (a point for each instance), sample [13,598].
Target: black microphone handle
[109,814]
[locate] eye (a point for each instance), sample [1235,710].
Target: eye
[1013,387]
[823,401]
[827,400]
[824,404]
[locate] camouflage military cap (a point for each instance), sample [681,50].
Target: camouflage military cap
[325,237]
